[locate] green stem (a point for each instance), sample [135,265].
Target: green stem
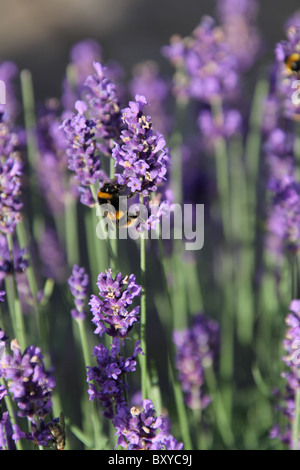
[18,315]
[111,242]
[71,231]
[143,316]
[296,422]
[178,394]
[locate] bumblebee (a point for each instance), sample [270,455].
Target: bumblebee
[110,193]
[58,432]
[292,63]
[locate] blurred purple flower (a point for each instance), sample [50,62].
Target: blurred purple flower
[110,311]
[229,124]
[79,283]
[206,68]
[238,19]
[141,429]
[53,162]
[2,295]
[293,20]
[197,348]
[52,256]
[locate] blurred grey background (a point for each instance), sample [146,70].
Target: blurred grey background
[38,34]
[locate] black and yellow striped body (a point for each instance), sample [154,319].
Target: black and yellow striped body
[292,63]
[110,193]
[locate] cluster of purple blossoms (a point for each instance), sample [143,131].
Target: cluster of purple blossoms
[142,153]
[109,376]
[82,151]
[2,295]
[291,345]
[10,179]
[103,107]
[287,82]
[30,385]
[79,283]
[206,69]
[110,311]
[141,429]
[197,348]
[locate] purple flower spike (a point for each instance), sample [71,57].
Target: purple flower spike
[10,179]
[238,19]
[104,107]
[111,314]
[205,64]
[81,147]
[291,359]
[142,152]
[197,349]
[79,282]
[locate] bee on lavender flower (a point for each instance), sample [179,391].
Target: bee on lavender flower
[110,193]
[292,63]
[58,432]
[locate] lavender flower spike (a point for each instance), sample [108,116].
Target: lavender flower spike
[78,282]
[142,153]
[81,149]
[197,349]
[104,107]
[111,314]
[10,179]
[291,359]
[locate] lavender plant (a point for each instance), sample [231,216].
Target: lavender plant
[127,359]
